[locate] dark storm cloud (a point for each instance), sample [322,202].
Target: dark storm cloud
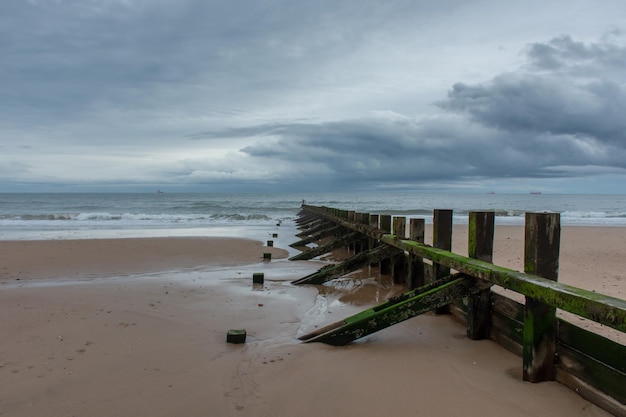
[541,121]
[195,91]
[571,88]
[68,58]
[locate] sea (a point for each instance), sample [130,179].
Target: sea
[30,216]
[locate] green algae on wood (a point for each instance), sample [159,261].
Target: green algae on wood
[390,313]
[604,309]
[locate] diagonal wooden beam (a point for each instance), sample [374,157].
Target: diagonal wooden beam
[320,250]
[396,310]
[353,263]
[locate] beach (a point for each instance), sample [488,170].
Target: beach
[129,327]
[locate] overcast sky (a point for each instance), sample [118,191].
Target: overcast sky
[324,95]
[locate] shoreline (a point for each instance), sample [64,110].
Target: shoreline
[154,344]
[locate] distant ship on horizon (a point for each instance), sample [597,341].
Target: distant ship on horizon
[535,192]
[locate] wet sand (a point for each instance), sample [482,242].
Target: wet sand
[130,327]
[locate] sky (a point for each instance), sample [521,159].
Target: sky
[467,96]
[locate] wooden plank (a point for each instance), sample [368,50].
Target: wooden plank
[353,263]
[480,246]
[399,261]
[384,265]
[307,219]
[442,239]
[541,257]
[416,273]
[605,378]
[380,317]
[594,345]
[321,250]
[314,228]
[330,230]
[311,227]
[590,393]
[507,306]
[507,332]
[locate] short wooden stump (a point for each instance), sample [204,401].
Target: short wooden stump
[236,336]
[258,278]
[270,243]
[275,235]
[267,256]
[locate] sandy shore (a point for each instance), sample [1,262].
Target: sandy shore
[137,327]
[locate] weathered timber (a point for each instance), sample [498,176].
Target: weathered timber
[541,257]
[390,302]
[399,262]
[594,359]
[590,393]
[353,263]
[590,357]
[394,311]
[591,365]
[605,378]
[481,227]
[415,274]
[236,336]
[606,310]
[314,228]
[258,278]
[308,219]
[442,239]
[321,234]
[604,350]
[320,250]
[385,226]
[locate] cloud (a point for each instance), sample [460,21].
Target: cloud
[319,94]
[539,121]
[570,88]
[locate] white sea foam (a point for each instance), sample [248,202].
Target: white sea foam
[57,214]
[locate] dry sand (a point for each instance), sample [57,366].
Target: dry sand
[137,327]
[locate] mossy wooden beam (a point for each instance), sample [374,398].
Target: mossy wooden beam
[329,230]
[308,219]
[393,312]
[606,310]
[312,228]
[601,308]
[353,263]
[321,250]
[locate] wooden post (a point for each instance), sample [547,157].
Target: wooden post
[398,263]
[373,221]
[373,242]
[415,275]
[442,239]
[270,243]
[541,257]
[361,244]
[385,226]
[258,278]
[480,246]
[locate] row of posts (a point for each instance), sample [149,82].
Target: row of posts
[541,258]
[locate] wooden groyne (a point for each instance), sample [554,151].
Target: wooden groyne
[440,280]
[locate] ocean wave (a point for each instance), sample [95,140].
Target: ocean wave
[104,217]
[593,214]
